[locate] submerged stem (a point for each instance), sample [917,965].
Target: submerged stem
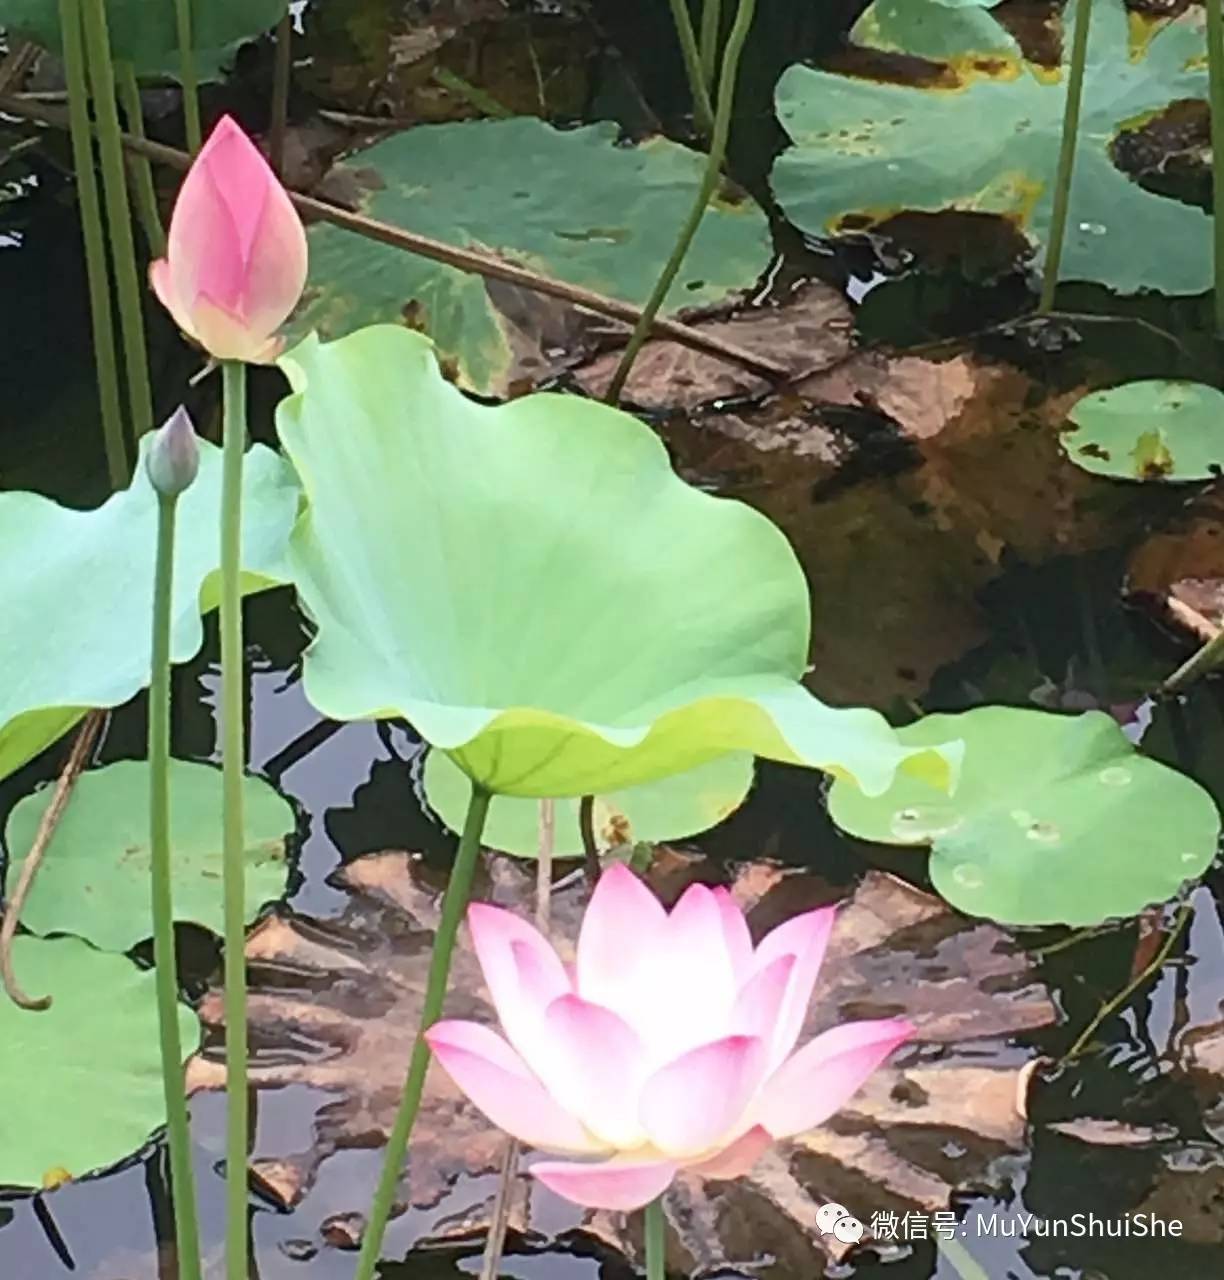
[118,216]
[141,167]
[703,110]
[1215,69]
[656,1228]
[1066,155]
[454,903]
[165,960]
[97,270]
[709,184]
[234,433]
[187,74]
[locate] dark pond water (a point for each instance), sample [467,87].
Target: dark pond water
[1047,625]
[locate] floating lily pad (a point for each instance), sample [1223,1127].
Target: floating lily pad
[863,151]
[535,589]
[145,33]
[77,588]
[669,809]
[1057,819]
[95,881]
[81,1081]
[572,204]
[933,28]
[1150,430]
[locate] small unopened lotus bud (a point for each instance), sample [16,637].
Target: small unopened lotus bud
[173,457]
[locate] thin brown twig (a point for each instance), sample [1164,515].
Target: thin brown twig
[19,59]
[81,747]
[470,260]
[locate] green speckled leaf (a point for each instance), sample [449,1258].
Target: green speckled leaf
[1057,819]
[573,204]
[863,150]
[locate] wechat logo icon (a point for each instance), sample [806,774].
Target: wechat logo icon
[836,1220]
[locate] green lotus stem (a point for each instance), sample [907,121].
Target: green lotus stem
[711,23]
[656,1264]
[141,167]
[1199,663]
[96,269]
[709,184]
[187,74]
[165,961]
[1066,155]
[1215,69]
[703,110]
[454,904]
[234,434]
[118,216]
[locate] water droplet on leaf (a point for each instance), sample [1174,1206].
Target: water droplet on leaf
[1115,776]
[1044,833]
[967,875]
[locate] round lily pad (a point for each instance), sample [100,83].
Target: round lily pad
[95,880]
[1056,819]
[668,809]
[81,1081]
[1150,430]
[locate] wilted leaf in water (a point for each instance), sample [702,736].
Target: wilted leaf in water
[863,150]
[933,28]
[1180,568]
[144,32]
[95,881]
[1149,430]
[669,809]
[1057,819]
[335,1006]
[572,204]
[80,1081]
[615,625]
[70,575]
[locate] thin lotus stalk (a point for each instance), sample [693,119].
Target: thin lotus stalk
[656,1239]
[140,167]
[187,75]
[234,433]
[1215,68]
[454,904]
[282,68]
[97,270]
[1066,156]
[703,109]
[1198,664]
[118,216]
[165,960]
[709,184]
[711,28]
[490,1263]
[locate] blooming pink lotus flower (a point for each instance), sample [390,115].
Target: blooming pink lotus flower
[669,1044]
[235,264]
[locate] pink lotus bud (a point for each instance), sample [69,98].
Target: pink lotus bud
[173,454]
[235,265]
[670,1043]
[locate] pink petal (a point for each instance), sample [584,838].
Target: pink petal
[163,286]
[224,335]
[826,1073]
[497,1080]
[276,269]
[620,936]
[759,1004]
[691,1104]
[805,937]
[735,933]
[621,1186]
[737,1159]
[595,1068]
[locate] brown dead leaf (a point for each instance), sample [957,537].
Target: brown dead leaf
[334,1006]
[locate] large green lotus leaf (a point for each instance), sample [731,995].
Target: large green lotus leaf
[863,150]
[81,1081]
[1056,819]
[572,204]
[536,590]
[95,881]
[144,32]
[77,588]
[933,28]
[1150,430]
[669,809]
